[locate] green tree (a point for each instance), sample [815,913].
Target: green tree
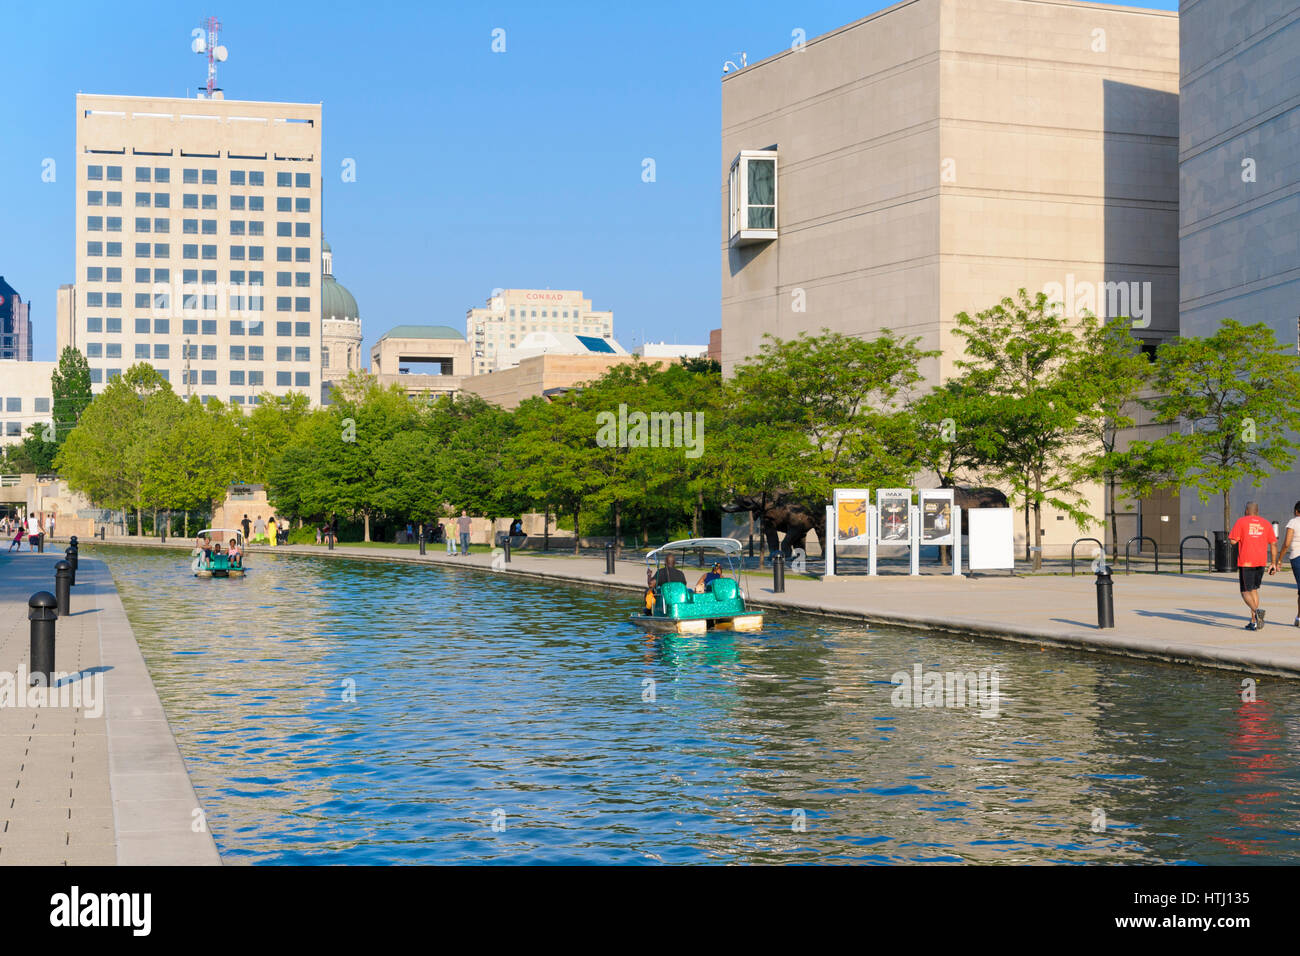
[1233,399]
[1020,353]
[70,391]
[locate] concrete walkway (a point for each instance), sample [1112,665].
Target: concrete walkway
[100,781]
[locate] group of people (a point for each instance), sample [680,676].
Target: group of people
[274,531]
[1257,553]
[33,528]
[207,550]
[670,572]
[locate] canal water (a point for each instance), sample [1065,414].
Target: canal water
[335,711]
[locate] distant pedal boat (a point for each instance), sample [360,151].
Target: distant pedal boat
[218,565]
[679,610]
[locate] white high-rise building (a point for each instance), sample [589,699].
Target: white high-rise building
[198,244]
[511,314]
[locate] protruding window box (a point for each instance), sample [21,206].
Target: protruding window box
[753,196]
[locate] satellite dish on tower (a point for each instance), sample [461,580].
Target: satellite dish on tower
[199,45]
[220,54]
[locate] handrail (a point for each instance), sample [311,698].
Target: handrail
[1141,537]
[1076,544]
[1208,547]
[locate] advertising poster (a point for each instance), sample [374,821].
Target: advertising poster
[992,539]
[851,516]
[895,507]
[936,515]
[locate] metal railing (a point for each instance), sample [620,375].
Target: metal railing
[1155,548]
[1077,542]
[1208,547]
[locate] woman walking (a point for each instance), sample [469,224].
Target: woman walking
[1291,551]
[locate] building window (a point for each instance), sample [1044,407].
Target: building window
[162,174]
[142,350]
[302,230]
[236,177]
[210,328]
[283,204]
[42,405]
[114,174]
[161,250]
[237,203]
[283,303]
[96,376]
[325,357]
[94,198]
[302,279]
[236,353]
[255,353]
[302,254]
[94,350]
[284,180]
[162,200]
[94,172]
[209,227]
[209,177]
[256,204]
[113,350]
[142,326]
[209,376]
[96,273]
[284,328]
[302,379]
[255,378]
[161,326]
[113,324]
[161,351]
[752,188]
[161,225]
[236,376]
[142,224]
[283,378]
[143,199]
[283,353]
[190,201]
[302,204]
[302,329]
[189,227]
[302,353]
[284,229]
[302,303]
[256,177]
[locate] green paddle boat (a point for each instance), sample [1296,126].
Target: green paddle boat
[716,602]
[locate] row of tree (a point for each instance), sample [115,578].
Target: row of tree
[1036,405]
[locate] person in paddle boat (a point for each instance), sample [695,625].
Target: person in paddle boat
[203,548]
[235,553]
[655,579]
[706,580]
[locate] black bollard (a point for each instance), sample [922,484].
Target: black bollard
[421,540]
[778,572]
[505,542]
[70,555]
[42,611]
[40,543]
[73,541]
[609,557]
[751,545]
[63,586]
[1105,599]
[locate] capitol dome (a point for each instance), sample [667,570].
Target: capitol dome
[336,302]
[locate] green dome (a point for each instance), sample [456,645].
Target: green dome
[336,302]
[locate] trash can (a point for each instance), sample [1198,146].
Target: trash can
[1225,552]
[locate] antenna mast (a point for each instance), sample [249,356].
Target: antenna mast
[205,40]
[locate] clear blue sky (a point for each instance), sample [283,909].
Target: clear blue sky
[535,154]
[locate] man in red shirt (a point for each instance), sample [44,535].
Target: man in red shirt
[1256,544]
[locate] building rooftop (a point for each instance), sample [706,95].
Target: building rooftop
[422,332]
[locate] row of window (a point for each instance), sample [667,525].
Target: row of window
[206,177]
[111,274]
[112,325]
[204,353]
[301,204]
[208,376]
[14,403]
[96,248]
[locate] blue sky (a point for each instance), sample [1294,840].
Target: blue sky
[535,154]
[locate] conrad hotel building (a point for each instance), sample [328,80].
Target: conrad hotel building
[198,244]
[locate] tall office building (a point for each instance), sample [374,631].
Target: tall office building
[511,314]
[198,244]
[15,324]
[1239,210]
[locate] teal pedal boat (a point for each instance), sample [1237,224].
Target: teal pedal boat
[716,602]
[209,563]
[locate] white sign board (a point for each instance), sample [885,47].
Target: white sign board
[992,539]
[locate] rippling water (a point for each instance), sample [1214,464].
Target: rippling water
[334,711]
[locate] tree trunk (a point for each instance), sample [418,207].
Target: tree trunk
[366,515]
[1114,521]
[139,523]
[577,530]
[1038,520]
[1227,511]
[699,510]
[155,522]
[187,524]
[546,528]
[1027,544]
[618,530]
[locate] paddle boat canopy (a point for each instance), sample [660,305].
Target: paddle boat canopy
[209,563]
[677,608]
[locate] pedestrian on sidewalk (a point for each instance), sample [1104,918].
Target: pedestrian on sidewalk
[463,525]
[18,540]
[1290,549]
[450,539]
[1256,550]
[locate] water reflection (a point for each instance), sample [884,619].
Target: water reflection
[338,711]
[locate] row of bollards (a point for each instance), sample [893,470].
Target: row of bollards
[43,611]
